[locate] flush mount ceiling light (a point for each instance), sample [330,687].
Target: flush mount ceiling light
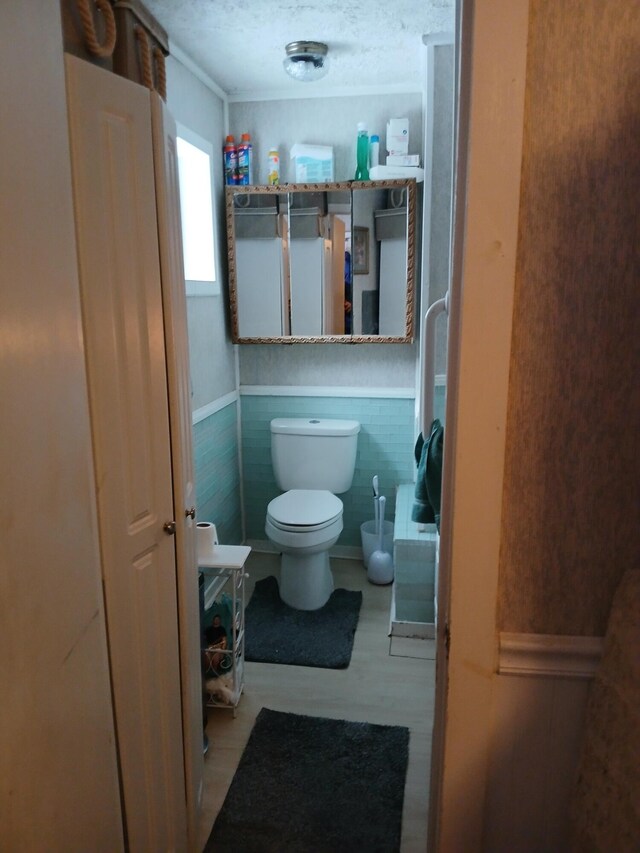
[306,60]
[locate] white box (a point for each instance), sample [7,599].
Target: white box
[388,173]
[398,136]
[403,159]
[312,164]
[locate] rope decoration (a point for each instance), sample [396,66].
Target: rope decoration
[161,73]
[145,56]
[89,28]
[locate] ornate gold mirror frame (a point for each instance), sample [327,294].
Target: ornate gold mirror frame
[233,191]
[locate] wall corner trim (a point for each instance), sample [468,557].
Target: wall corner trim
[550,655]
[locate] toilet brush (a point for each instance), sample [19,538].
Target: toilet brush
[380,568]
[375,503]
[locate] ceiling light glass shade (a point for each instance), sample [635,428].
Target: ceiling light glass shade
[306,60]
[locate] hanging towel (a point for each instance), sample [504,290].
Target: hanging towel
[428,455]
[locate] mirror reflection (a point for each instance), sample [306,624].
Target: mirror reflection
[320,262]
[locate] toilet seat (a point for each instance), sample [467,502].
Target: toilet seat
[304,510]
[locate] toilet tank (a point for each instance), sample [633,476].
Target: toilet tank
[314,453]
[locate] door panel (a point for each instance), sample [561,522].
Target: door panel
[110,126]
[175,323]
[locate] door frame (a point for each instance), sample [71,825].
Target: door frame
[491,48]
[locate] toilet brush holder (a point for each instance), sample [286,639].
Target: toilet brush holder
[370,539]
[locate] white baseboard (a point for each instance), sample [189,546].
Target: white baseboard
[341,552]
[539,699]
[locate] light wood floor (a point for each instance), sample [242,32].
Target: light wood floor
[389,681]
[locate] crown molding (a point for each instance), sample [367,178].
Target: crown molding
[184,59]
[303,92]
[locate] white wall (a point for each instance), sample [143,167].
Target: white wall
[211,354]
[322,121]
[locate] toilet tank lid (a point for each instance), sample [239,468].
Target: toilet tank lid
[314,426]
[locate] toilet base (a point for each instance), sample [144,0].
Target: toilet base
[306,581]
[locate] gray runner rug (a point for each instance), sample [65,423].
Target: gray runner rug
[276,633]
[314,785]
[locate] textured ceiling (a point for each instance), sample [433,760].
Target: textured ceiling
[240,43]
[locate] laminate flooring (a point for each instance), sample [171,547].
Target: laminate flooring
[389,681]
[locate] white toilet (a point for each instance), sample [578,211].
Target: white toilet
[313,461]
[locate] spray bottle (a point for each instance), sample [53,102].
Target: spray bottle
[230,153]
[245,160]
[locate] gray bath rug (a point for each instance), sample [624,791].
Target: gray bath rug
[276,633]
[313,785]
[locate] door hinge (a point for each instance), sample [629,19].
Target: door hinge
[447,637]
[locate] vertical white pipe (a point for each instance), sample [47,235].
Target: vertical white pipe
[428,361]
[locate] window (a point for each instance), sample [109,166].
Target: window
[196,208]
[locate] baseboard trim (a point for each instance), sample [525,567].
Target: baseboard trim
[341,552]
[549,655]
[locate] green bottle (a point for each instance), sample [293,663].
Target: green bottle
[362,154]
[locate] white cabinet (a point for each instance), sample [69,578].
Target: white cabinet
[134,332]
[223,662]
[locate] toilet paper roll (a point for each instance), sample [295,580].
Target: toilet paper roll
[206,538]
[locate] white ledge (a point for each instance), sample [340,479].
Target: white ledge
[325,391]
[549,655]
[215,406]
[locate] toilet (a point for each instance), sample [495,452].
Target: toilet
[313,462]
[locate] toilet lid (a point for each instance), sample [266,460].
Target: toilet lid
[304,508]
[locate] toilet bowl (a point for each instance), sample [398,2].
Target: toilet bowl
[313,461]
[304,524]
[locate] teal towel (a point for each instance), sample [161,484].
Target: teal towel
[428,491]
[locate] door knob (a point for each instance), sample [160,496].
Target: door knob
[190,513]
[169,528]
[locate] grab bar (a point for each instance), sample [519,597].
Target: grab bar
[428,362]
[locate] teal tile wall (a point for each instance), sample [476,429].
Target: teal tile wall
[385,447]
[217,473]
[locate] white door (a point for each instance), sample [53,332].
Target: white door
[115,209]
[260,303]
[305,258]
[179,383]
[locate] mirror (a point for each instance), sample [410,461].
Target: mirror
[322,263]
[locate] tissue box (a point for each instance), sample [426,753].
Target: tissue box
[398,136]
[312,164]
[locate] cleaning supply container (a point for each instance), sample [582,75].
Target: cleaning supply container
[230,153]
[374,151]
[362,153]
[312,164]
[273,167]
[245,160]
